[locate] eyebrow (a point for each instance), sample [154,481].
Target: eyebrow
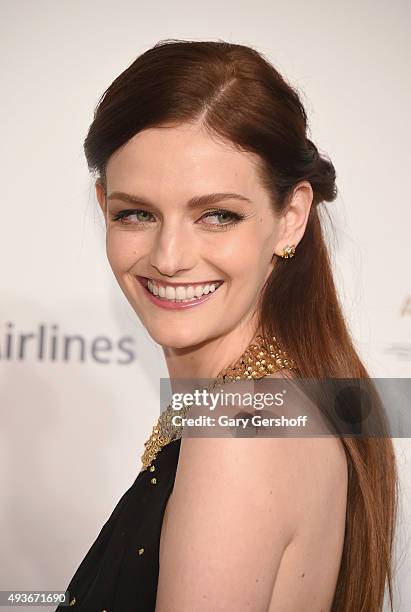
[194,202]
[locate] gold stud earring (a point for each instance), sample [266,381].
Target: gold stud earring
[288,251]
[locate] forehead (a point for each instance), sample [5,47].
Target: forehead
[186,160]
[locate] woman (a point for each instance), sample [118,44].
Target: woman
[210,190]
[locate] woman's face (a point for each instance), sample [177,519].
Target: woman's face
[154,233]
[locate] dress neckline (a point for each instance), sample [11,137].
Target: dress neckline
[261,358]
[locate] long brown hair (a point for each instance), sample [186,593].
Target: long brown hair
[235,93]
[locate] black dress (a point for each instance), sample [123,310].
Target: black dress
[120,571]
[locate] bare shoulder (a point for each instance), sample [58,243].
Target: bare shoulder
[316,462]
[319,459]
[238,502]
[288,467]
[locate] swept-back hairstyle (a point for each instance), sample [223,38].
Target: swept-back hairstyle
[236,94]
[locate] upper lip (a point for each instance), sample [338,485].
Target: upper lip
[181,284]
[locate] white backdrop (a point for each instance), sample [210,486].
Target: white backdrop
[72,430]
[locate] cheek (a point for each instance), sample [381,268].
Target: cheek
[122,249]
[246,257]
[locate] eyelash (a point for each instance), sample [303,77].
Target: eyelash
[237,217]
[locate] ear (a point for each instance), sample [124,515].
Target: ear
[294,221]
[101,197]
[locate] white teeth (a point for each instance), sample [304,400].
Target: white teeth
[189,293]
[181,293]
[170,293]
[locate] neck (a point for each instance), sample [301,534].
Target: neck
[206,360]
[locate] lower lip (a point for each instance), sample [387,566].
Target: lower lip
[168,305]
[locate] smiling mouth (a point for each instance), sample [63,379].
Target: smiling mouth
[179,293]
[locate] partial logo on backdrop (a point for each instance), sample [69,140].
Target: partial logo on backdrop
[48,343]
[402,350]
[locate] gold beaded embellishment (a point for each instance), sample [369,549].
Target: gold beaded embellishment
[154,444]
[257,361]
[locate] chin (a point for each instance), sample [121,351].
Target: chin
[178,338]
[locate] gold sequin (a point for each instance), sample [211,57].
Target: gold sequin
[72,602]
[140,551]
[257,361]
[153,481]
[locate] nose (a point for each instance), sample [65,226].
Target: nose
[172,251]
